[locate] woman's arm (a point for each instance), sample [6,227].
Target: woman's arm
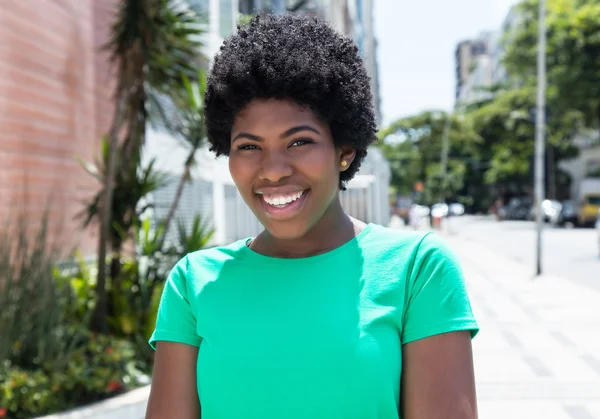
[173,394]
[438,379]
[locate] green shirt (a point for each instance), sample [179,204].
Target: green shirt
[315,337]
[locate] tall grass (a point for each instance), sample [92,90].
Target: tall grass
[33,300]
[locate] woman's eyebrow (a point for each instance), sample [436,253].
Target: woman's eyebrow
[286,134]
[247,136]
[297,129]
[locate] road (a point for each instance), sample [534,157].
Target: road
[569,253]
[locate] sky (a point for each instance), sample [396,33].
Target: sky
[416,44]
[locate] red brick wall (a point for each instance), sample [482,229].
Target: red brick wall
[55,103]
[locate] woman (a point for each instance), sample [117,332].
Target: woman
[320,315]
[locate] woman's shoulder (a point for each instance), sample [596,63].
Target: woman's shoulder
[203,266]
[393,238]
[385,242]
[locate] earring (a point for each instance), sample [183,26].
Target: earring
[344,163]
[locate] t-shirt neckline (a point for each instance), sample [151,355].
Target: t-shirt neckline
[340,249]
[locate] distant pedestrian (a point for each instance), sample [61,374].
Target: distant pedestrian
[415,218]
[320,316]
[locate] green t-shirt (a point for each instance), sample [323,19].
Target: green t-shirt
[315,337]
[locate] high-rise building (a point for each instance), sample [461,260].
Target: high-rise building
[473,67]
[479,62]
[497,50]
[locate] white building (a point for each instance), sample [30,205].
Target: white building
[476,86]
[587,164]
[474,69]
[497,50]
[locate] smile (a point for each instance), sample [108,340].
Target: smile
[283,206]
[281,201]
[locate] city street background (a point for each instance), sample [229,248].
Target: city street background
[571,253]
[537,354]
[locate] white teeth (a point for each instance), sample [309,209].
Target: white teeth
[282,200]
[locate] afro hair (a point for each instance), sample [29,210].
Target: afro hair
[298,58]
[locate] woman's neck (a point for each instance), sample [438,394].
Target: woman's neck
[333,230]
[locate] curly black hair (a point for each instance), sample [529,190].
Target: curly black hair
[299,58]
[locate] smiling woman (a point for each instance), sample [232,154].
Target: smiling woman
[320,315]
[287,168]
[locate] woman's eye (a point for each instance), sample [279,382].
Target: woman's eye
[248,147]
[300,142]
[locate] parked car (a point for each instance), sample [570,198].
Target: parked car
[439,210]
[598,231]
[550,209]
[456,209]
[569,214]
[590,206]
[518,208]
[588,199]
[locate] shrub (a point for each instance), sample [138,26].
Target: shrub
[100,368]
[35,326]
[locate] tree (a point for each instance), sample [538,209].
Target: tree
[573,55]
[193,132]
[413,146]
[152,43]
[505,123]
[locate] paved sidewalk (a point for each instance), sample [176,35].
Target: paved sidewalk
[538,352]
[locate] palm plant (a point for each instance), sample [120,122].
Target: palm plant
[128,205]
[192,131]
[198,237]
[153,42]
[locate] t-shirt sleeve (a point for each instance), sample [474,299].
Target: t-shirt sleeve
[175,321]
[436,297]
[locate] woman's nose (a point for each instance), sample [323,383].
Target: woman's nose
[274,167]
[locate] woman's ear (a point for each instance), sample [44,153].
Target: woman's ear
[347,155]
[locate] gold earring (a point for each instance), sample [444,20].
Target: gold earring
[344,163]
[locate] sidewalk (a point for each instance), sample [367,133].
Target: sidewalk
[538,352]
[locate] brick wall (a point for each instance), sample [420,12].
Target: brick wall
[55,103]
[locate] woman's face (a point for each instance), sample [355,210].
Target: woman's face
[285,165]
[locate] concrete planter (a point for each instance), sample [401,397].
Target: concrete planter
[131,405]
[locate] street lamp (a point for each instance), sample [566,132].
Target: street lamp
[540,133]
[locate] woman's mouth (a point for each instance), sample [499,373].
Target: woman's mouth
[283,206]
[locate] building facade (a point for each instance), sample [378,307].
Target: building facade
[512,20]
[474,69]
[586,165]
[55,104]
[467,55]
[479,63]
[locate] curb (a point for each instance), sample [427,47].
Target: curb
[131,405]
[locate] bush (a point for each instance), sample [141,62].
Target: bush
[49,360]
[135,297]
[100,368]
[34,323]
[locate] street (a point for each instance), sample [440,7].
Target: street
[568,253]
[537,353]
